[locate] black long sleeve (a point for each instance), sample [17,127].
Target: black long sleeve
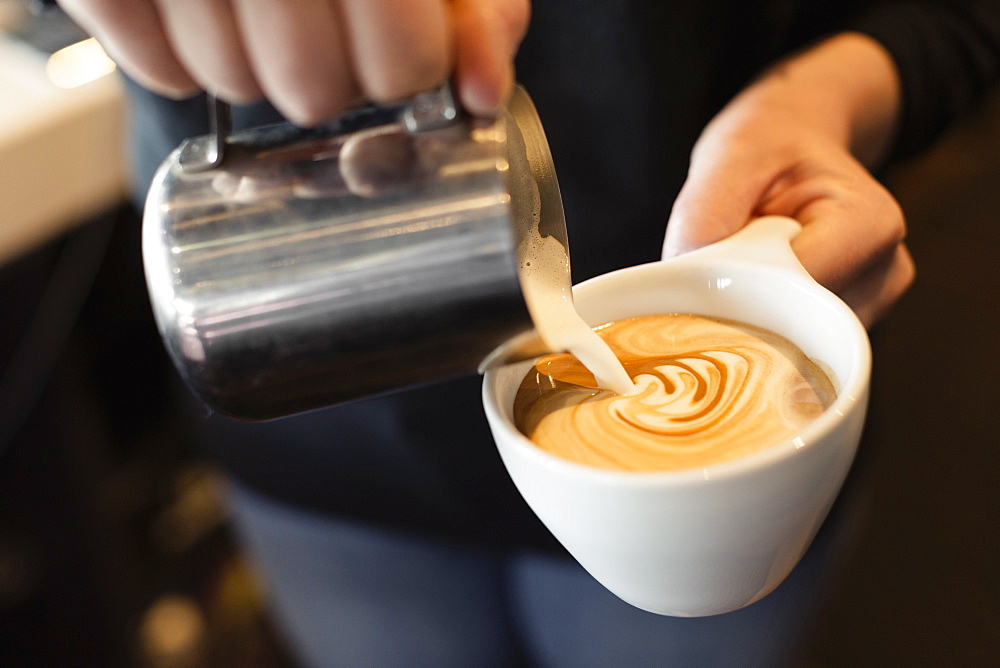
[948,57]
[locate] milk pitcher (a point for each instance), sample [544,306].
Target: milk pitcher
[291,269]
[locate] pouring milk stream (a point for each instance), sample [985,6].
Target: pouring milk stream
[548,293]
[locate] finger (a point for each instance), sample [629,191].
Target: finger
[873,293]
[487,35]
[851,240]
[132,34]
[206,40]
[719,196]
[297,52]
[399,47]
[850,224]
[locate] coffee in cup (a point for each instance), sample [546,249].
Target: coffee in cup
[708,390]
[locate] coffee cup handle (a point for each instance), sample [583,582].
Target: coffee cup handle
[764,240]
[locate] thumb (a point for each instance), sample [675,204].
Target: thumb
[719,196]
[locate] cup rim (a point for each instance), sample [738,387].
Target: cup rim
[853,391]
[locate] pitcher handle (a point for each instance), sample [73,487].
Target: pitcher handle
[429,110]
[209,152]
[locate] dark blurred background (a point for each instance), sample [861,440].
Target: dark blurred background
[115,547]
[920,585]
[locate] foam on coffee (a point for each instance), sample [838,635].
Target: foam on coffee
[709,390]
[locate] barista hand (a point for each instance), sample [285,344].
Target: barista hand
[793,144]
[311,58]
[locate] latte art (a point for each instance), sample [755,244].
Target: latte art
[709,390]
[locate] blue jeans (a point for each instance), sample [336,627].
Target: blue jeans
[352,594]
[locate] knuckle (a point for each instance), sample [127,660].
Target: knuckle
[514,15]
[234,92]
[416,71]
[890,222]
[308,111]
[897,223]
[306,106]
[907,270]
[898,277]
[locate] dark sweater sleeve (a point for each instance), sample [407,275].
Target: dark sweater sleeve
[948,57]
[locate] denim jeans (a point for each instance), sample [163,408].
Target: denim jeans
[352,594]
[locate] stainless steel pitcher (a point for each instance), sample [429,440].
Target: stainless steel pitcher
[291,269]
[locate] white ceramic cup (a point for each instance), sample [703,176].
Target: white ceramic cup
[707,540]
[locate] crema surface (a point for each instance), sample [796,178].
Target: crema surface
[709,390]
